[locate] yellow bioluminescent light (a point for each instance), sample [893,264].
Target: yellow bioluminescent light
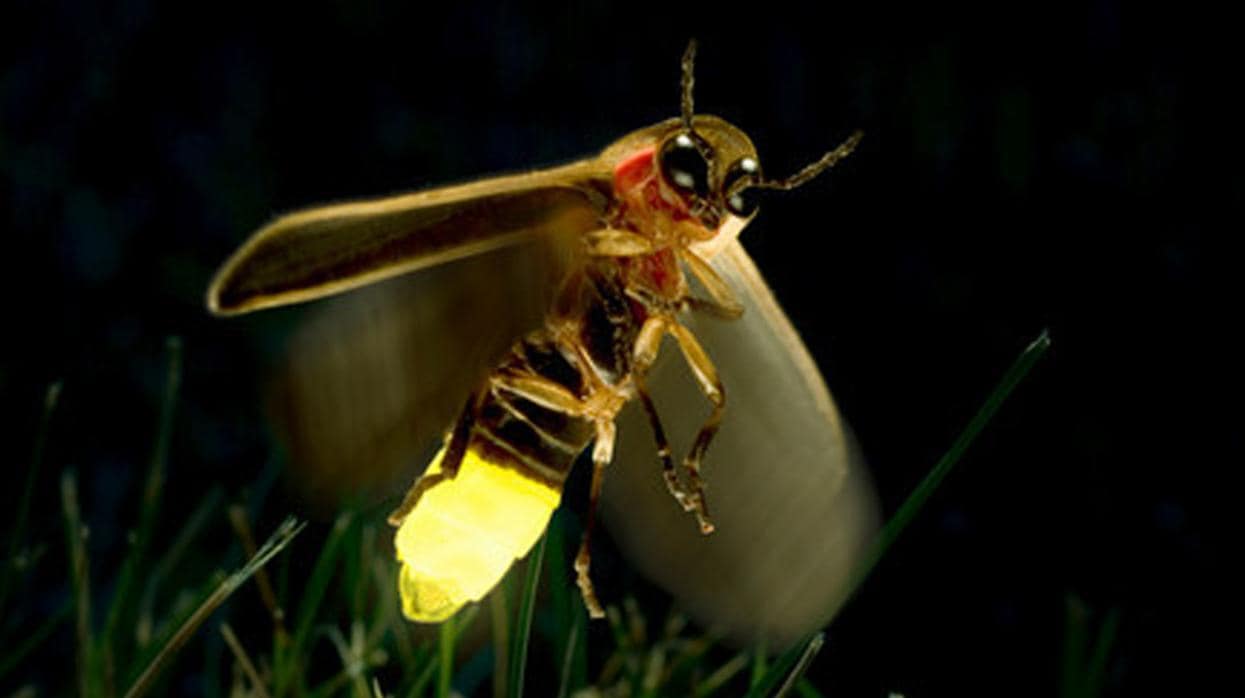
[465,533]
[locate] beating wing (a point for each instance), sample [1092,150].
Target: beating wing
[326,250]
[372,379]
[786,487]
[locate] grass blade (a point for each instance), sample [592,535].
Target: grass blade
[760,662]
[445,657]
[801,666]
[915,501]
[242,528]
[289,657]
[79,574]
[18,537]
[1075,621]
[170,560]
[12,658]
[522,629]
[1096,669]
[783,674]
[244,661]
[807,689]
[499,612]
[569,616]
[568,659]
[275,544]
[462,621]
[722,675]
[794,661]
[1084,666]
[122,601]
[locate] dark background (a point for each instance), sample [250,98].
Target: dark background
[1064,166]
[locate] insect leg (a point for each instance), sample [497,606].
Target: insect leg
[645,353]
[602,452]
[707,376]
[455,449]
[668,472]
[540,390]
[723,303]
[611,242]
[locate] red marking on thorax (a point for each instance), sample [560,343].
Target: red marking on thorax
[662,269]
[642,204]
[636,185]
[634,170]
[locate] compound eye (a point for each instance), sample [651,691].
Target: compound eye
[742,203]
[741,199]
[684,167]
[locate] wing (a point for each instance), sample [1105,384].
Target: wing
[371,379]
[786,487]
[330,249]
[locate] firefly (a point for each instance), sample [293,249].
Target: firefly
[647,233]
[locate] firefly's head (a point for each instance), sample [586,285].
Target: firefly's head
[713,166]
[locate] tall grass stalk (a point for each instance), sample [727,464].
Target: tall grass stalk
[123,598]
[521,631]
[275,544]
[916,500]
[17,537]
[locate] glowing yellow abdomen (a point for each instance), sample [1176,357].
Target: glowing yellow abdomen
[464,534]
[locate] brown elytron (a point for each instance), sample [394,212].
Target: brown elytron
[658,203]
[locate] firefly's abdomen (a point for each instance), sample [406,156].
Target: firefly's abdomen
[465,532]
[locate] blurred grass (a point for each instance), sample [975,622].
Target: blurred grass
[346,635]
[521,631]
[1086,649]
[17,556]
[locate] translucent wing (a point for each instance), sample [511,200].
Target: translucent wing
[371,379]
[329,249]
[786,487]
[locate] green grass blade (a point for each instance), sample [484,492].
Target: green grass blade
[1075,619]
[12,658]
[79,575]
[288,661]
[275,544]
[1084,666]
[557,576]
[244,661]
[424,676]
[801,666]
[807,689]
[522,629]
[242,529]
[722,675]
[18,537]
[783,674]
[499,615]
[570,619]
[445,657]
[1096,669]
[915,501]
[123,601]
[760,662]
[170,560]
[568,659]
[794,661]
[462,621]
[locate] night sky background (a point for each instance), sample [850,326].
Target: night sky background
[1071,166]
